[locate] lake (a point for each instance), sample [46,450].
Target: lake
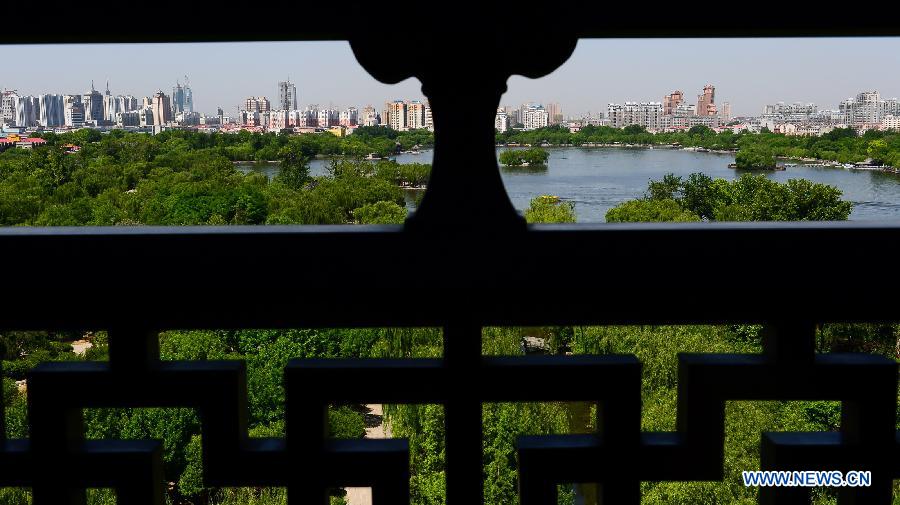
[596,179]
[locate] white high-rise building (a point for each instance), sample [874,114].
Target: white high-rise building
[534,117]
[370,116]
[110,108]
[328,118]
[51,111]
[867,108]
[501,120]
[350,117]
[429,120]
[26,111]
[645,114]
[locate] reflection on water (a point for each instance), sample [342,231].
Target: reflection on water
[600,178]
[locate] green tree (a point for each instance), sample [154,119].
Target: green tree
[380,213]
[550,209]
[294,170]
[636,211]
[754,159]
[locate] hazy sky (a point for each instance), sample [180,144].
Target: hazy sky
[747,72]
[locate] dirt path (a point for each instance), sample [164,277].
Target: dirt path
[375,428]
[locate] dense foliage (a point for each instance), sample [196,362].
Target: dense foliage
[180,178]
[841,145]
[754,159]
[519,157]
[550,209]
[748,198]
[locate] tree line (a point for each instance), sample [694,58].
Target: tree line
[842,145]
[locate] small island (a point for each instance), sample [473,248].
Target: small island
[755,159]
[524,157]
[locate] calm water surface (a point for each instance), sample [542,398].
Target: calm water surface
[600,178]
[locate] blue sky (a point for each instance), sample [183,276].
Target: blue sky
[746,72]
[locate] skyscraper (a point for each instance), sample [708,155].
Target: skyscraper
[50,110]
[287,95]
[110,108]
[177,99]
[25,113]
[415,115]
[162,109]
[867,109]
[188,96]
[397,115]
[706,103]
[93,105]
[672,101]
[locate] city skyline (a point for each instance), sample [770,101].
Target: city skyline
[599,72]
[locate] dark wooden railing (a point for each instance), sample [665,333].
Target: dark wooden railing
[475,264]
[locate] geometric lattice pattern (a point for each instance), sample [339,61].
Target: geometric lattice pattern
[58,463]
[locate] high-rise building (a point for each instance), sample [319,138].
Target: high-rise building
[188,96]
[110,109]
[311,115]
[287,95]
[177,99]
[257,104]
[501,120]
[128,118]
[415,115]
[645,114]
[26,111]
[706,103]
[146,115]
[555,113]
[429,120]
[397,115]
[328,118]
[369,116]
[386,114]
[162,109]
[350,117]
[672,101]
[93,105]
[726,111]
[867,108]
[74,114]
[7,106]
[50,110]
[535,116]
[279,119]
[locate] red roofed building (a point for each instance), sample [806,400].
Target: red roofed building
[30,142]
